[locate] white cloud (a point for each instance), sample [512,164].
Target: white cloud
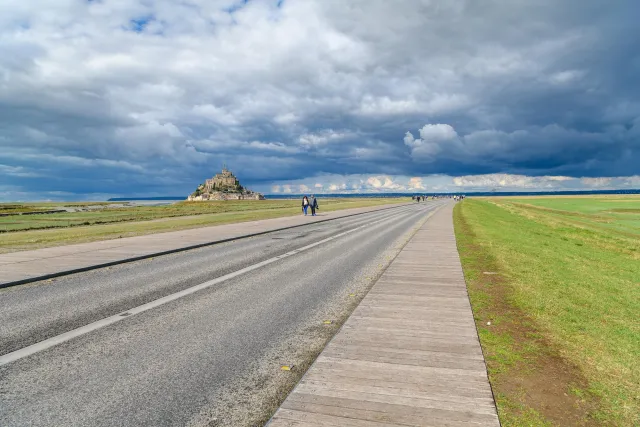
[214,114]
[17,171]
[632,181]
[337,187]
[327,136]
[432,137]
[565,77]
[508,181]
[597,182]
[559,178]
[409,139]
[374,182]
[438,132]
[416,183]
[286,119]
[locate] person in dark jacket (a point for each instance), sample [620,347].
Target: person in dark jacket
[314,205]
[305,205]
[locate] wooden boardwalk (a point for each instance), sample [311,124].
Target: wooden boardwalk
[409,355]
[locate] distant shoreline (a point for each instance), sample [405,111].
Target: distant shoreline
[394,195]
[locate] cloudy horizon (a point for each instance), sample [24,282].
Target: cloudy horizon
[447,184]
[138,98]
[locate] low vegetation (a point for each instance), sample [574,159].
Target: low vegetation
[555,288]
[100,213]
[102,221]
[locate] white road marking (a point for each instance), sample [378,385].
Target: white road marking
[59,339]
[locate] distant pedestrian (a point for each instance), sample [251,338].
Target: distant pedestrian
[305,205]
[314,205]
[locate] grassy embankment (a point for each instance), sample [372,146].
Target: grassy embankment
[24,232]
[559,280]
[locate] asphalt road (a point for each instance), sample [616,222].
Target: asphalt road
[212,357]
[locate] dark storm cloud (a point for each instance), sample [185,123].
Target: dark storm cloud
[296,90]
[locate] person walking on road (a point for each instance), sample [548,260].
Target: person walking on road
[305,205]
[314,205]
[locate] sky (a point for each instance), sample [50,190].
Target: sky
[133,98]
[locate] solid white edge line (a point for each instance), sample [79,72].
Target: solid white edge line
[99,324]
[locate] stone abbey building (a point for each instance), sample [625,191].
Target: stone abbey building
[224,181]
[223,186]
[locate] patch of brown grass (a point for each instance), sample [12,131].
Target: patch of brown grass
[532,382]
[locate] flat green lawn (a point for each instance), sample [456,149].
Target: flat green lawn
[24,232]
[584,204]
[559,280]
[108,215]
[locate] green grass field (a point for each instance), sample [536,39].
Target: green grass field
[107,215]
[559,280]
[24,232]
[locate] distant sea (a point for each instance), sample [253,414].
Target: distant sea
[146,199]
[354,195]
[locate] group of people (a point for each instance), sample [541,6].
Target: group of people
[457,198]
[310,203]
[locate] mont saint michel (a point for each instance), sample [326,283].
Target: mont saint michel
[223,186]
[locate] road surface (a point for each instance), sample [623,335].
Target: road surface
[194,338]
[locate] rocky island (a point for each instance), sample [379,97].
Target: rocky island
[223,186]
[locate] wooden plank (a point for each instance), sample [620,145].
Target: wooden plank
[413,280]
[383,348]
[306,418]
[396,412]
[445,398]
[385,286]
[419,386]
[439,291]
[405,343]
[425,315]
[424,266]
[419,300]
[458,296]
[433,309]
[416,370]
[406,359]
[429,309]
[419,324]
[381,335]
[372,324]
[392,375]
